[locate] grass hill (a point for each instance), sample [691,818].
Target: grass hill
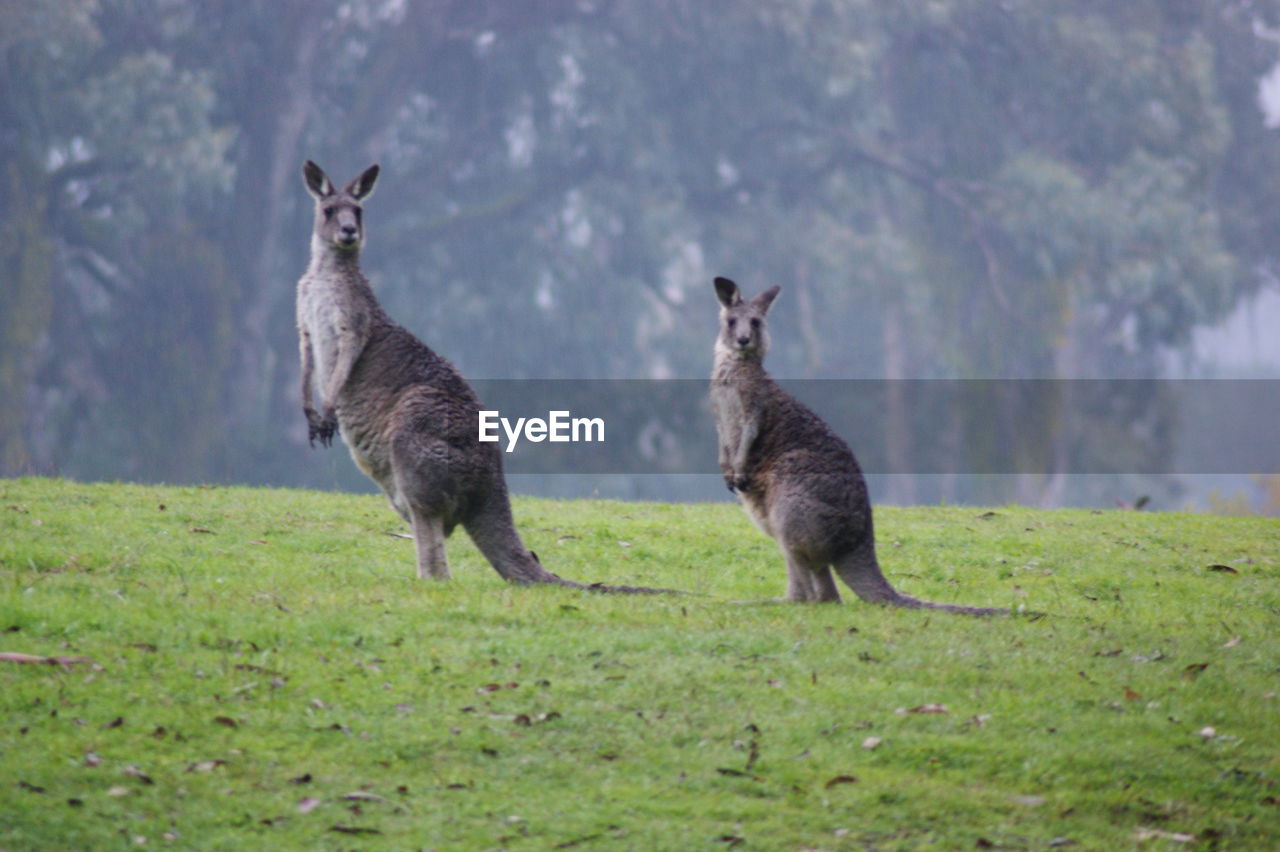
[249,668]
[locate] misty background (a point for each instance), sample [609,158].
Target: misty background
[946,190]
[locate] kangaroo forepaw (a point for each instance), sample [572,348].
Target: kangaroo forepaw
[322,429]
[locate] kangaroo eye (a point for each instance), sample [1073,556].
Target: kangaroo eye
[732,322]
[755,322]
[329,211]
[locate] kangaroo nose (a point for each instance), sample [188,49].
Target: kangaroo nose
[348,230]
[743,340]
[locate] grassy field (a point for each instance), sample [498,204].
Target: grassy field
[254,669]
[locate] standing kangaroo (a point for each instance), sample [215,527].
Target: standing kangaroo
[797,479]
[407,415]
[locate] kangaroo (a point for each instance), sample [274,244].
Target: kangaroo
[797,479]
[406,414]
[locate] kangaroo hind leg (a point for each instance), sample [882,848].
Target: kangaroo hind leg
[808,581]
[428,540]
[419,491]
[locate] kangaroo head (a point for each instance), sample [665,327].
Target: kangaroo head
[743,331]
[338,214]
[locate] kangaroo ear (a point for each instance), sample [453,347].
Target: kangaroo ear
[727,293]
[318,183]
[765,299]
[362,187]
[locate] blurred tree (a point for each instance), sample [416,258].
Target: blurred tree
[33,40]
[108,138]
[957,189]
[1246,35]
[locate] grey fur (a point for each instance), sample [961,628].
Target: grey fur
[407,415]
[797,479]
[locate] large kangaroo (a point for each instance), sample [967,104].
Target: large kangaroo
[407,415]
[797,479]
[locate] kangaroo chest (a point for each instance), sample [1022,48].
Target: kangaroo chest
[334,318]
[730,410]
[738,405]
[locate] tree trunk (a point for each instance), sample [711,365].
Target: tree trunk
[265,190]
[897,439]
[26,310]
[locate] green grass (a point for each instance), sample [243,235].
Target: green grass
[268,672]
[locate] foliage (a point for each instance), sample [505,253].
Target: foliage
[247,667]
[1266,502]
[949,189]
[117,157]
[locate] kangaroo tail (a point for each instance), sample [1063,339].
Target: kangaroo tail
[494,532]
[861,572]
[606,589]
[601,588]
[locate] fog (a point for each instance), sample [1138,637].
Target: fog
[984,198]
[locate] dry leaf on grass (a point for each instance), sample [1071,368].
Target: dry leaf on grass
[736,773]
[205,765]
[133,771]
[1159,834]
[65,662]
[494,687]
[353,829]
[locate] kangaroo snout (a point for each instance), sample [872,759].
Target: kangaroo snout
[348,227]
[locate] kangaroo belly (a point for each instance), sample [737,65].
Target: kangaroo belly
[363,421]
[754,503]
[368,450]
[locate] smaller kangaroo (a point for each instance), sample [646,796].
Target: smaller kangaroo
[407,415]
[797,479]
